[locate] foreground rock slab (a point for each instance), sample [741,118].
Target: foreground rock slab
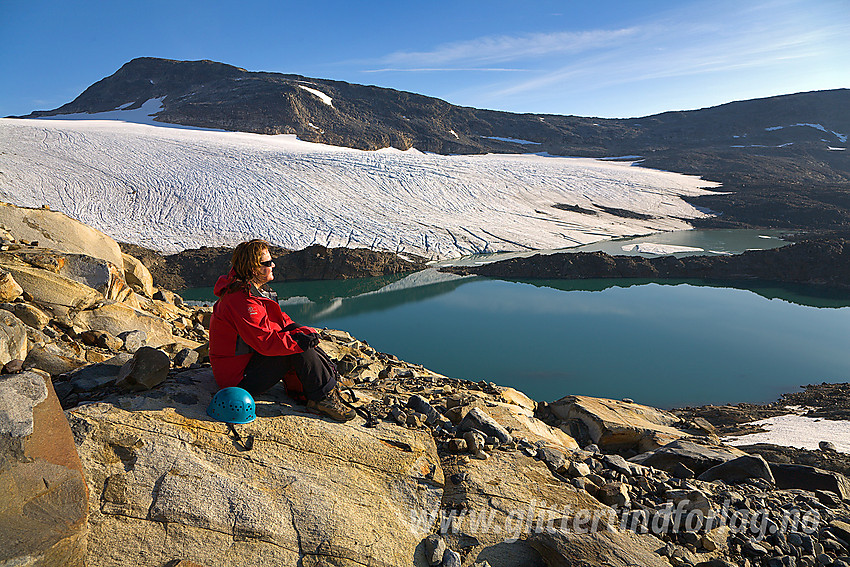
[171,484]
[43,498]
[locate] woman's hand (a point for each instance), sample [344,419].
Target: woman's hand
[305,340]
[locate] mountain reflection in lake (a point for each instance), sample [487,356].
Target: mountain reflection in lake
[661,343]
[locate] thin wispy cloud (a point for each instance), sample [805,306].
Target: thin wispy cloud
[441,69]
[484,50]
[685,51]
[728,43]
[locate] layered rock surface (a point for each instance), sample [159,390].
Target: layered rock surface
[172,484]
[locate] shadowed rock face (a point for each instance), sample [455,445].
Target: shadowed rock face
[822,262]
[201,267]
[771,154]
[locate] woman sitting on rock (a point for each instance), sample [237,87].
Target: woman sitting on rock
[253,344]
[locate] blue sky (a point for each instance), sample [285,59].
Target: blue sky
[588,58]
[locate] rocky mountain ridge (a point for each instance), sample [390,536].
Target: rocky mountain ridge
[781,158]
[453,472]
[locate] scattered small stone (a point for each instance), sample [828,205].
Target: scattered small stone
[480,420]
[552,457]
[50,332]
[420,405]
[614,494]
[754,548]
[148,368]
[95,356]
[451,559]
[398,415]
[680,470]
[474,441]
[133,340]
[13,366]
[578,468]
[102,339]
[435,548]
[185,358]
[457,445]
[458,478]
[414,420]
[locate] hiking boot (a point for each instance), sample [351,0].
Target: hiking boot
[333,407]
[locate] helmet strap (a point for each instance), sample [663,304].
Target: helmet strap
[241,445]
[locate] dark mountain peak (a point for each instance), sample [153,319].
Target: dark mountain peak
[142,79]
[163,70]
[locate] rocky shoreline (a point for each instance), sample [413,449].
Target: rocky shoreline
[449,472]
[822,261]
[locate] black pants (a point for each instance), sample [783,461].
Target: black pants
[316,377]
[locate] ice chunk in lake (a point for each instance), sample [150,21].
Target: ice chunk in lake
[659,249]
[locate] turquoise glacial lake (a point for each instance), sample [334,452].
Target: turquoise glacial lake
[661,343]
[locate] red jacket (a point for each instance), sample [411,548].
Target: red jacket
[257,321]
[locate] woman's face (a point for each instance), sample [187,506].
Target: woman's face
[264,273]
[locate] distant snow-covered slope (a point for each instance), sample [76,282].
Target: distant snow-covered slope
[171,189]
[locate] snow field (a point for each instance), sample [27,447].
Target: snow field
[169,189]
[792,430]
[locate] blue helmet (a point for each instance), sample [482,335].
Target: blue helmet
[232,405]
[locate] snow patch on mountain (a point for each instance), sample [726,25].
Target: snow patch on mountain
[512,140]
[145,114]
[322,96]
[176,188]
[841,137]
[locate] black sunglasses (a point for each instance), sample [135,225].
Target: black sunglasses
[267,263]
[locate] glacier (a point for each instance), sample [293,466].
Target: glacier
[171,188]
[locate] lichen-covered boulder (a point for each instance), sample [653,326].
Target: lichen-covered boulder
[697,454]
[29,314]
[170,483]
[148,368]
[48,287]
[117,318]
[43,496]
[615,425]
[57,230]
[563,548]
[9,288]
[138,275]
